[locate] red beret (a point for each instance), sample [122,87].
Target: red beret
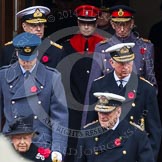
[87,12]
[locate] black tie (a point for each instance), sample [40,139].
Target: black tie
[86,46]
[26,74]
[120,85]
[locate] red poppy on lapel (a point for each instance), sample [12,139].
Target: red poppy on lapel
[131,95]
[143,51]
[45,152]
[45,59]
[34,89]
[117,141]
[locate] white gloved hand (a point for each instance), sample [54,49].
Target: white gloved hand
[56,156]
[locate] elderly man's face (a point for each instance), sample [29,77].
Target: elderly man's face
[123,29]
[109,119]
[37,28]
[122,69]
[87,28]
[22,142]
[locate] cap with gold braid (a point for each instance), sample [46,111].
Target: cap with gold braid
[108,101]
[121,13]
[35,14]
[121,52]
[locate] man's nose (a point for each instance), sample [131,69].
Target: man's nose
[38,27]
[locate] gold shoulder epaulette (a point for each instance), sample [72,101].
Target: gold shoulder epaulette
[146,40]
[87,125]
[146,81]
[8,43]
[136,125]
[104,41]
[56,45]
[99,78]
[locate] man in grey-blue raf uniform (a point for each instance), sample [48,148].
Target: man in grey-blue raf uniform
[28,87]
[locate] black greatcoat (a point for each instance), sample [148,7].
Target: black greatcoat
[124,144]
[141,101]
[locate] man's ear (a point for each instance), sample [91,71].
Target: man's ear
[24,26]
[119,111]
[132,24]
[112,62]
[112,24]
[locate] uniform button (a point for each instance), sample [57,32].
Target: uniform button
[87,71]
[103,51]
[15,116]
[124,152]
[11,86]
[108,69]
[35,117]
[39,102]
[105,60]
[140,69]
[143,58]
[96,153]
[41,87]
[13,102]
[133,104]
[96,139]
[131,117]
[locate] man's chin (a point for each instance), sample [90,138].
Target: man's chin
[104,124]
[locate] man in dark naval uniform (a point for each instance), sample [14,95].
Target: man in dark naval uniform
[28,87]
[122,21]
[76,64]
[141,105]
[33,21]
[108,139]
[21,133]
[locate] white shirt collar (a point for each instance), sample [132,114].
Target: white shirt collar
[23,70]
[117,123]
[125,80]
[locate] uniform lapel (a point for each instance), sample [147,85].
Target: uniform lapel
[130,95]
[113,139]
[28,88]
[22,87]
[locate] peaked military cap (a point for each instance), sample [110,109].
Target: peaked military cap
[87,13]
[121,13]
[21,125]
[108,101]
[25,43]
[121,52]
[35,14]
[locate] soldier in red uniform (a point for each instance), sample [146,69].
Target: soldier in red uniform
[76,67]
